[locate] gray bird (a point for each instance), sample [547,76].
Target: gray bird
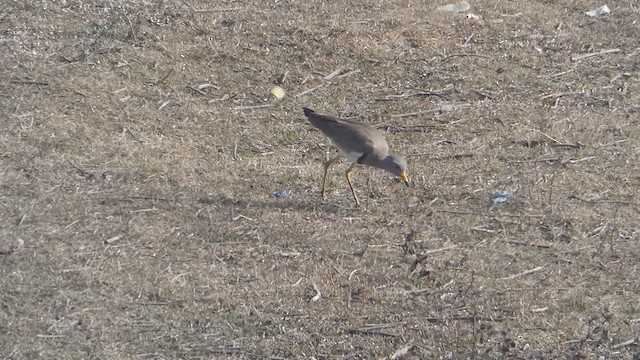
[358,142]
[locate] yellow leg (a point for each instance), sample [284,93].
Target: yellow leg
[348,173]
[324,178]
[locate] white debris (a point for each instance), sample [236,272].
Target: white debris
[602,10]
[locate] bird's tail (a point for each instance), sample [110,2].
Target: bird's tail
[308,112]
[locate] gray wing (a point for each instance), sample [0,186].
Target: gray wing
[354,136]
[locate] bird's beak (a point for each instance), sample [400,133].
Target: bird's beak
[405,178]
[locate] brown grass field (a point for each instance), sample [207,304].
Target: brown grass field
[139,150]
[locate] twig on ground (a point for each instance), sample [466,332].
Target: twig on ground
[337,74]
[466,42]
[426,254]
[448,157]
[143,210]
[467,318]
[309,90]
[141,197]
[409,95]
[481,229]
[224,98]
[580,341]
[598,200]
[452,107]
[217,9]
[615,142]
[553,159]
[341,76]
[340,272]
[477,55]
[414,128]
[369,332]
[574,146]
[113,239]
[45,336]
[527,272]
[252,107]
[334,74]
[289,254]
[318,294]
[374,329]
[560,73]
[484,95]
[165,76]
[573,161]
[124,14]
[586,56]
[196,90]
[352,273]
[240,216]
[415,292]
[433,251]
[30,82]
[545,135]
[625,343]
[384,325]
[72,223]
[476,213]
[83,172]
[515,242]
[415,113]
[557,95]
[22,218]
[283,78]
[441,109]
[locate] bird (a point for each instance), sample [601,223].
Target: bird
[358,142]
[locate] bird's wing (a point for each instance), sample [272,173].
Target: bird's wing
[357,138]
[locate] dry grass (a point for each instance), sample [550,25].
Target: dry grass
[137,215]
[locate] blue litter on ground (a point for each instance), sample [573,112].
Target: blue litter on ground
[500,197]
[280,194]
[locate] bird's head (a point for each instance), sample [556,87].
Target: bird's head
[397,166]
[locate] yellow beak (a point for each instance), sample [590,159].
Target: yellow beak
[405,178]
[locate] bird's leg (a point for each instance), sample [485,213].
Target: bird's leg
[348,173]
[324,178]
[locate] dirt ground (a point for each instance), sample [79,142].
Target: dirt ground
[140,150]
